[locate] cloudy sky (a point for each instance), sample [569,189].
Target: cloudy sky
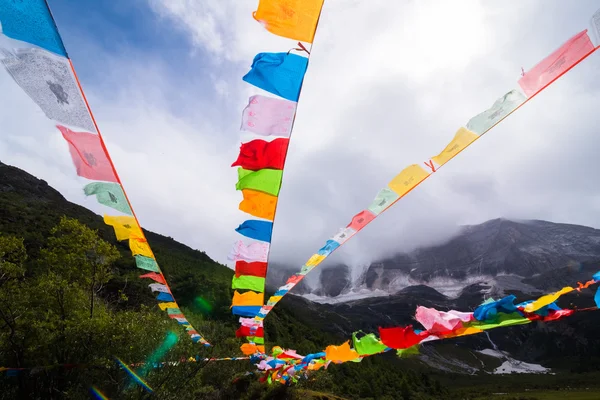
[387,86]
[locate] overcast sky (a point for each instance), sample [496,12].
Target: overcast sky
[389,83]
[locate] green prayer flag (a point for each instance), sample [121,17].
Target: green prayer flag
[248,282]
[484,121]
[368,344]
[384,199]
[146,263]
[256,340]
[411,351]
[502,319]
[110,194]
[173,311]
[263,180]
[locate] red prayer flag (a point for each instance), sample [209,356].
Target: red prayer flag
[255,268]
[88,155]
[361,219]
[259,154]
[247,331]
[556,64]
[155,277]
[401,337]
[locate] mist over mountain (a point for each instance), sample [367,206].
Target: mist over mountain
[500,255]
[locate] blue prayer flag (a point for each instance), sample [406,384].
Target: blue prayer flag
[278,73]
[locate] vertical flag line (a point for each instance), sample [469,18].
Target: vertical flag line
[290,141]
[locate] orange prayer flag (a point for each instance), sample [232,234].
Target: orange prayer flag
[461,140]
[248,299]
[249,349]
[293,19]
[341,353]
[258,204]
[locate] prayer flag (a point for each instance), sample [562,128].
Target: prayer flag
[556,64]
[401,337]
[461,140]
[410,177]
[260,154]
[547,299]
[245,311]
[340,353]
[253,252]
[139,246]
[49,82]
[360,220]
[88,155]
[268,116]
[164,297]
[248,282]
[368,344]
[293,19]
[264,180]
[159,287]
[385,198]
[329,247]
[259,204]
[155,277]
[31,22]
[109,194]
[164,306]
[314,260]
[247,331]
[278,73]
[251,268]
[258,230]
[125,227]
[343,235]
[146,263]
[248,299]
[501,108]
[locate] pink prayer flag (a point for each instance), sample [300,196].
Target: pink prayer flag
[556,64]
[254,252]
[89,157]
[268,116]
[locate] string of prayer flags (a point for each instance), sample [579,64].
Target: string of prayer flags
[89,157]
[551,68]
[267,116]
[258,154]
[278,73]
[109,194]
[556,64]
[261,162]
[293,19]
[46,75]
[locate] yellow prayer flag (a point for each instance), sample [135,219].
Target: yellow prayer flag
[293,19]
[247,299]
[467,331]
[341,353]
[462,139]
[315,260]
[125,226]
[410,177]
[547,299]
[164,306]
[140,247]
